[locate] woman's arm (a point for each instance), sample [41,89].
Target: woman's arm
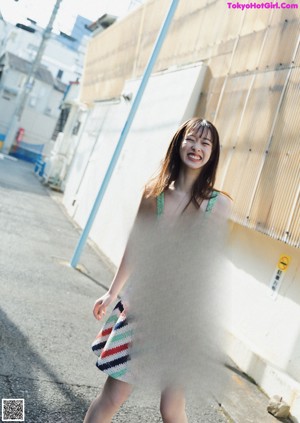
[145,209]
[117,284]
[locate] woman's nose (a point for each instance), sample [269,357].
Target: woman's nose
[196,146]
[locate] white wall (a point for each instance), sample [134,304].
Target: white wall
[38,127]
[7,103]
[37,119]
[58,56]
[58,154]
[3,35]
[155,122]
[266,329]
[22,43]
[41,97]
[12,79]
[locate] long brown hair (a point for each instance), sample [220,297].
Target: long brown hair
[171,164]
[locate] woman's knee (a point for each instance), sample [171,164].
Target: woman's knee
[172,406]
[116,392]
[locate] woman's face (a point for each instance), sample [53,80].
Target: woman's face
[196,149]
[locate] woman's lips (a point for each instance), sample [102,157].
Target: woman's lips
[194,157]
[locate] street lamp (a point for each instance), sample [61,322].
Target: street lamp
[28,84]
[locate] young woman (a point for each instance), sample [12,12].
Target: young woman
[184,186]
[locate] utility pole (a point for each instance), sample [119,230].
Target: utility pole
[28,84]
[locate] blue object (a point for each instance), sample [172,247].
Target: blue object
[39,167]
[156,49]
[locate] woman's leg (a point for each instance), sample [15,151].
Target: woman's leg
[114,394]
[172,406]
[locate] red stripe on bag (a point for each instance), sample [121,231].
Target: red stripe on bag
[105,332]
[114,350]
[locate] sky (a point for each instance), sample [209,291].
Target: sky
[17,11]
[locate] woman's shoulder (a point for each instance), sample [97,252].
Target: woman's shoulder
[223,204]
[147,206]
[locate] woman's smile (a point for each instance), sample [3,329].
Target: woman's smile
[194,157]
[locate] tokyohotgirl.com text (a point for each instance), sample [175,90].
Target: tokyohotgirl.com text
[266,5]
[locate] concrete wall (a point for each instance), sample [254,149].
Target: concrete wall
[265,329]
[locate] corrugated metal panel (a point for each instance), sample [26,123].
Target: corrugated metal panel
[181,43]
[289,15]
[255,20]
[248,52]
[297,57]
[219,57]
[119,53]
[280,44]
[210,98]
[294,229]
[253,138]
[234,98]
[275,199]
[154,16]
[199,31]
[110,60]
[216,24]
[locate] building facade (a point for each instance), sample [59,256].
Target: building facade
[41,109]
[62,62]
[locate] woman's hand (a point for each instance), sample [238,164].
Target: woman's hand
[101,304]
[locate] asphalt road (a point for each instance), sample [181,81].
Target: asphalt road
[46,325]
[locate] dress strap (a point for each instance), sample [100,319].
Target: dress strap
[212,201]
[160,204]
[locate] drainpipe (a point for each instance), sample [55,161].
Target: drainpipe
[156,49]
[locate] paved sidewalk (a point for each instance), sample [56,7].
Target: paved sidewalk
[245,402]
[46,325]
